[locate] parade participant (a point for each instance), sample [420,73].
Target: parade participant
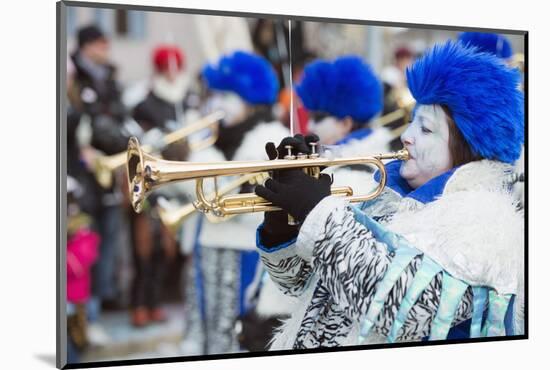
[342,97]
[153,245]
[165,103]
[244,86]
[96,95]
[445,239]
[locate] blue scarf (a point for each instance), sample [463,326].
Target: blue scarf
[425,193]
[355,135]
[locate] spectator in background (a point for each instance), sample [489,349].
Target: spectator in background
[394,74]
[82,245]
[396,93]
[95,94]
[270,39]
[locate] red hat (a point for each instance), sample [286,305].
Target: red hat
[403,52]
[166,57]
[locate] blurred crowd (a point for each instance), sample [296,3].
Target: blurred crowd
[119,260]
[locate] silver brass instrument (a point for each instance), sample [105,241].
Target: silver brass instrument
[146,173]
[105,165]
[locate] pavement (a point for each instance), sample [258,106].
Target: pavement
[125,342]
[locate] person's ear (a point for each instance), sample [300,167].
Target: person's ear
[347,124]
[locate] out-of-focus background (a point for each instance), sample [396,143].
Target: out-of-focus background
[142,287]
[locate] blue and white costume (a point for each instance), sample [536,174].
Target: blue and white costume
[225,260]
[415,264]
[462,225]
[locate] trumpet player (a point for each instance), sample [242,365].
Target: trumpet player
[244,86]
[440,253]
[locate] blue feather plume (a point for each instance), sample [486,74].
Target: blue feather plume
[488,42]
[481,92]
[345,87]
[246,74]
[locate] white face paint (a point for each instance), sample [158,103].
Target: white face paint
[427,139]
[230,103]
[330,130]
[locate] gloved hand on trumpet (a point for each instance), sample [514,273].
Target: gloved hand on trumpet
[292,190]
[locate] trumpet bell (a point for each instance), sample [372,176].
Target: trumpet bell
[105,165]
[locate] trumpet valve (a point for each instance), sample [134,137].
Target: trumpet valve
[289,154]
[314,153]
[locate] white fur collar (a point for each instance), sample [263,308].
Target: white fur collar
[253,144]
[172,92]
[473,230]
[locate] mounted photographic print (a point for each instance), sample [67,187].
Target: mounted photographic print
[238,185]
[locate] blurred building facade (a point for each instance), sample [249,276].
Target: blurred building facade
[134,34]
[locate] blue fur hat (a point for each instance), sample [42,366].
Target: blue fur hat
[488,42]
[246,74]
[481,92]
[345,87]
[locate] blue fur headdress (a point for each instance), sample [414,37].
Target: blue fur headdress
[481,92]
[488,42]
[345,87]
[246,74]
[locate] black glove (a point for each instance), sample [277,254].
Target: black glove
[298,194]
[299,143]
[276,229]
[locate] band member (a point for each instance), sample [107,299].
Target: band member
[164,105]
[342,97]
[153,245]
[441,244]
[244,86]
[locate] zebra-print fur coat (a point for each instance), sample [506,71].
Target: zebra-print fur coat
[472,229]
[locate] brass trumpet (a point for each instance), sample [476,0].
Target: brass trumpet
[146,172]
[172,219]
[105,165]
